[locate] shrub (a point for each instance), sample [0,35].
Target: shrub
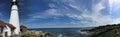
[29,35]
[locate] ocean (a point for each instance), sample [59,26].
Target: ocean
[62,32]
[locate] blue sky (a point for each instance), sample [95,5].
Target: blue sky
[63,13]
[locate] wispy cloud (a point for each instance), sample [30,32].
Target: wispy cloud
[114,10]
[75,16]
[52,5]
[95,16]
[48,13]
[80,13]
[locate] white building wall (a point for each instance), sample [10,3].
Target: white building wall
[6,29]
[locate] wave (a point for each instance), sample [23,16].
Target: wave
[60,35]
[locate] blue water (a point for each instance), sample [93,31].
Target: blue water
[75,32]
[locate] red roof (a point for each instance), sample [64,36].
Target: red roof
[2,24]
[23,26]
[10,25]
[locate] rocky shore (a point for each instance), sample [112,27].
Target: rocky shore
[36,34]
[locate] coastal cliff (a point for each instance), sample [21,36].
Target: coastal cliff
[112,30]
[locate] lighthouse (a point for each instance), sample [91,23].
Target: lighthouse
[14,17]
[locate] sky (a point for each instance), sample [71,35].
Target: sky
[63,13]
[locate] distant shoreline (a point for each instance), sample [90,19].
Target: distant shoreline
[66,27]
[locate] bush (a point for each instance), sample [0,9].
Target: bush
[29,35]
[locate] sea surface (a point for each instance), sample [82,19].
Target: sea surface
[62,32]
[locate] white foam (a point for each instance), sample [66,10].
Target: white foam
[60,35]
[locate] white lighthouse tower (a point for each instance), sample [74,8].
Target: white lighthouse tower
[14,17]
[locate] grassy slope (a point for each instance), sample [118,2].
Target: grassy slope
[111,33]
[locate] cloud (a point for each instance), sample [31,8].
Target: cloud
[53,12]
[112,4]
[95,16]
[74,16]
[75,7]
[116,21]
[52,5]
[114,10]
[84,16]
[59,12]
[48,13]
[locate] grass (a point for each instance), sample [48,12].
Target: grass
[111,33]
[28,35]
